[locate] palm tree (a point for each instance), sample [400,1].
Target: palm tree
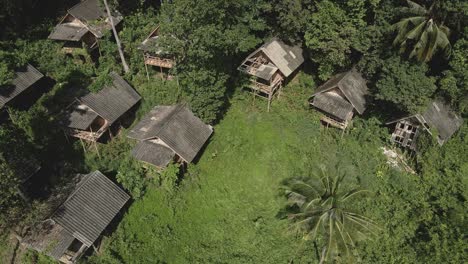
[317,208]
[422,35]
[117,39]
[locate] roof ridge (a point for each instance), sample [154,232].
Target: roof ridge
[169,117]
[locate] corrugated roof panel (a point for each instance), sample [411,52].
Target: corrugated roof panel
[91,207]
[24,79]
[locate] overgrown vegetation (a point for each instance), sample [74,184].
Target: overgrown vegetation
[228,207]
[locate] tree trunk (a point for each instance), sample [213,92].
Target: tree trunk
[117,40]
[322,258]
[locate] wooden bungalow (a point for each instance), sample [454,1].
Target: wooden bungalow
[270,65]
[83,25]
[169,133]
[437,118]
[155,55]
[340,97]
[91,115]
[25,81]
[79,221]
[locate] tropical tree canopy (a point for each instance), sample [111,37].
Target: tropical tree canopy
[421,36]
[317,206]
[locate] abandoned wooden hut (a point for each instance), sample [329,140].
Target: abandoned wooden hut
[270,65]
[83,25]
[79,221]
[338,98]
[26,79]
[169,133]
[91,115]
[155,55]
[438,117]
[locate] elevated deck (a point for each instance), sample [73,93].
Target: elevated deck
[159,61]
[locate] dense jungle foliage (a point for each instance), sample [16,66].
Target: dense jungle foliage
[237,203]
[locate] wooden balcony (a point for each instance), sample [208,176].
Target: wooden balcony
[88,135]
[159,62]
[333,122]
[265,88]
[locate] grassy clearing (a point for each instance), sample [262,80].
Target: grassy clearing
[226,208]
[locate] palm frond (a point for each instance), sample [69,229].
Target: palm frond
[416,8]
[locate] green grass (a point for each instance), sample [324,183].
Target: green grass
[226,208]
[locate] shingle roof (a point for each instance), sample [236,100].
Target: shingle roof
[333,104]
[67,31]
[153,153]
[286,58]
[439,116]
[112,101]
[24,79]
[91,207]
[177,127]
[352,85]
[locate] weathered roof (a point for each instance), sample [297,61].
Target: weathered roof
[67,31]
[177,127]
[333,104]
[88,10]
[352,85]
[266,71]
[79,117]
[153,153]
[286,58]
[92,15]
[439,116]
[49,238]
[91,207]
[24,79]
[112,101]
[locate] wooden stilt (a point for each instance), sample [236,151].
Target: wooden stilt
[99,48]
[269,101]
[162,74]
[82,144]
[146,67]
[97,150]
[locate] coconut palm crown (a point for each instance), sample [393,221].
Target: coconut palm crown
[422,35]
[317,207]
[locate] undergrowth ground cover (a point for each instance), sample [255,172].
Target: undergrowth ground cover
[227,208]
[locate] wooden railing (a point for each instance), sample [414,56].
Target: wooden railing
[88,135]
[158,61]
[264,88]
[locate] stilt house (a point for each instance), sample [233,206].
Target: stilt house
[340,97]
[83,25]
[270,65]
[79,221]
[25,80]
[154,54]
[437,118]
[169,133]
[91,115]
